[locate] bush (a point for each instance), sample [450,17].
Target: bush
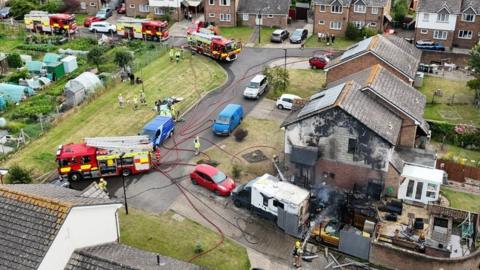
[352,32]
[368,32]
[14,60]
[448,133]
[16,76]
[36,47]
[236,170]
[240,134]
[18,175]
[400,10]
[198,247]
[210,162]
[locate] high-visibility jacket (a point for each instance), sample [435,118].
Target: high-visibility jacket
[196,144]
[172,52]
[102,184]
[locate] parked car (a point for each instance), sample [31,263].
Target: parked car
[159,129]
[286,101]
[212,179]
[256,87]
[429,45]
[121,9]
[318,61]
[104,13]
[5,12]
[228,119]
[279,35]
[298,36]
[91,19]
[103,27]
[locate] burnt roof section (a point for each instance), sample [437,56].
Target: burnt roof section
[434,6]
[118,256]
[264,6]
[394,51]
[30,218]
[370,3]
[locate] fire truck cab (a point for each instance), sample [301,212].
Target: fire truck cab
[206,42]
[142,28]
[155,30]
[42,22]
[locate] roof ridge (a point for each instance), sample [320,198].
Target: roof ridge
[44,202]
[346,89]
[374,74]
[91,254]
[373,43]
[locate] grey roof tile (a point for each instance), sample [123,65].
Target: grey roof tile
[433,6]
[370,3]
[474,4]
[265,6]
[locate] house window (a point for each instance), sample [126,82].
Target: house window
[245,17]
[374,10]
[132,6]
[336,25]
[410,185]
[423,31]
[225,17]
[468,17]
[419,191]
[352,146]
[211,15]
[322,8]
[359,24]
[442,17]
[158,11]
[224,2]
[270,16]
[143,8]
[465,34]
[278,204]
[83,5]
[431,191]
[426,17]
[321,22]
[437,34]
[92,4]
[337,9]
[373,24]
[359,8]
[211,2]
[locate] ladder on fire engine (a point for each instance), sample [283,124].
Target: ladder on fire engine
[120,144]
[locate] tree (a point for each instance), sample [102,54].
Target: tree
[18,175]
[21,7]
[352,32]
[70,6]
[400,10]
[95,56]
[278,78]
[123,58]
[14,60]
[52,6]
[474,64]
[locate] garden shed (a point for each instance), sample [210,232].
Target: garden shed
[14,93]
[51,58]
[77,89]
[55,70]
[69,63]
[25,58]
[35,66]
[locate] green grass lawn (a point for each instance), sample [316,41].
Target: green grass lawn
[303,83]
[456,91]
[265,35]
[240,33]
[340,43]
[455,114]
[177,238]
[454,151]
[462,200]
[80,18]
[103,117]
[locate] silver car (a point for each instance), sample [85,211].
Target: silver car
[279,35]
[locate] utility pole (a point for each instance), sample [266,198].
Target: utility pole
[285,66]
[259,18]
[123,183]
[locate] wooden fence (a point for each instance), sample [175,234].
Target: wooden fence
[458,172]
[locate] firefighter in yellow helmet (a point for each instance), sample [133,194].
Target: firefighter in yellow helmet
[297,254]
[102,184]
[196,144]
[172,54]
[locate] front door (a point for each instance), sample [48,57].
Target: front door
[259,19]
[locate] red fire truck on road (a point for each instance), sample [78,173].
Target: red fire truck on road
[43,22]
[206,42]
[142,28]
[104,156]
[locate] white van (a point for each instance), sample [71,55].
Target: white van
[256,87]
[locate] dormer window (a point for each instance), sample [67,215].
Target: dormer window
[359,8]
[442,17]
[337,9]
[468,17]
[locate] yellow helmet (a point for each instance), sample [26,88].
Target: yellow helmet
[297,244]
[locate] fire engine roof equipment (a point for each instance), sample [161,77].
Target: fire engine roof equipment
[14,93]
[121,144]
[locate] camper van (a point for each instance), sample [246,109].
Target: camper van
[228,119]
[277,200]
[159,129]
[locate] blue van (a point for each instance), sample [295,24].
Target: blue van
[228,119]
[159,129]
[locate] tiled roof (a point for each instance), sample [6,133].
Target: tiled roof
[474,4]
[117,256]
[370,3]
[30,218]
[394,51]
[265,6]
[433,6]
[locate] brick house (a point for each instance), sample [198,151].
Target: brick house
[361,128]
[91,6]
[221,12]
[333,16]
[154,8]
[391,52]
[452,23]
[271,13]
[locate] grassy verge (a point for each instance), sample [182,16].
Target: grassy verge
[80,18]
[265,35]
[303,83]
[455,114]
[462,200]
[456,91]
[260,133]
[451,151]
[340,43]
[240,33]
[177,238]
[103,117]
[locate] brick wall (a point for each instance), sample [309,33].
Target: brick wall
[328,17]
[277,21]
[216,9]
[472,26]
[133,8]
[460,60]
[368,18]
[359,64]
[448,43]
[392,180]
[89,9]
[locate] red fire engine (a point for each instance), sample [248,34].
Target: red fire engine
[42,22]
[104,156]
[142,28]
[206,42]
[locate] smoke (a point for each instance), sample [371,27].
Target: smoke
[328,202]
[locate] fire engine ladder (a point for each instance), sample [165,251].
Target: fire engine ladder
[121,144]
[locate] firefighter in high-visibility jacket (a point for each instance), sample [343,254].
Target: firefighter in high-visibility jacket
[196,145]
[102,184]
[172,54]
[177,55]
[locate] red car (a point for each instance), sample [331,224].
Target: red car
[213,179]
[121,9]
[319,61]
[90,19]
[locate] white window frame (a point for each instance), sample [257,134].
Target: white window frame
[270,16]
[322,8]
[321,22]
[332,24]
[83,5]
[158,11]
[245,17]
[227,3]
[374,10]
[426,17]
[443,18]
[359,24]
[92,4]
[211,15]
[465,32]
[439,34]
[211,2]
[144,8]
[423,31]
[131,6]
[357,9]
[333,9]
[224,16]
[468,14]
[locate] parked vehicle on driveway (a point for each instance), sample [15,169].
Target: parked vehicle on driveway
[212,179]
[285,101]
[91,19]
[318,61]
[256,87]
[5,12]
[121,9]
[228,119]
[104,13]
[298,36]
[279,35]
[103,27]
[159,129]
[429,45]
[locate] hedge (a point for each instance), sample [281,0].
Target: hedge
[445,132]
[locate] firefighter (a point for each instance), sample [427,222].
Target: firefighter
[297,254]
[177,55]
[196,144]
[121,100]
[143,100]
[102,184]
[135,103]
[172,54]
